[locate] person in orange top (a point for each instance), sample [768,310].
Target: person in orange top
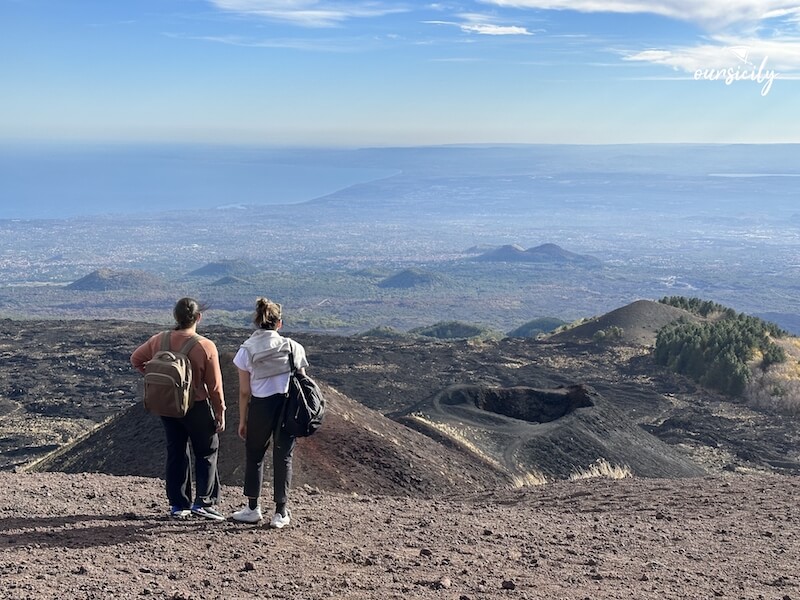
[201,425]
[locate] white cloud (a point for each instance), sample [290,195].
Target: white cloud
[726,52]
[744,35]
[713,14]
[488,29]
[308,13]
[483,25]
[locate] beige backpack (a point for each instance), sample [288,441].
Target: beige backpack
[168,390]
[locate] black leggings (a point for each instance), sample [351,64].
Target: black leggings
[263,425]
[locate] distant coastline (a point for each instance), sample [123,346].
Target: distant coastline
[62,181]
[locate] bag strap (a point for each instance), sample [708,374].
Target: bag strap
[165,340]
[292,370]
[189,344]
[292,367]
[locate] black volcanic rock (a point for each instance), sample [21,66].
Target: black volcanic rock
[546,253]
[350,453]
[550,432]
[104,280]
[80,371]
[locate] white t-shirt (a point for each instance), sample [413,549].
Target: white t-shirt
[265,355]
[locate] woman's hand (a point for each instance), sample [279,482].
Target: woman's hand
[243,431]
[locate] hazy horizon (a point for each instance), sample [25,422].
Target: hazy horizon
[67,180]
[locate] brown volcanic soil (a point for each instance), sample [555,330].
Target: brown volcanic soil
[98,536]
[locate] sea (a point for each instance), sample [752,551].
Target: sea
[57,181]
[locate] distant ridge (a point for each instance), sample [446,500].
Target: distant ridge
[546,253]
[536,326]
[409,278]
[230,280]
[224,268]
[454,330]
[104,280]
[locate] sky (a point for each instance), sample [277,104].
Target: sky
[356,73]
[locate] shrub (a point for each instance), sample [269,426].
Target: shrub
[717,353]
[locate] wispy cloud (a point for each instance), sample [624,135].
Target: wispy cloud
[742,35]
[311,45]
[308,13]
[712,14]
[487,29]
[725,52]
[483,25]
[484,28]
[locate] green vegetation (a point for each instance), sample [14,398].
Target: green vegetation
[383,332]
[537,326]
[717,352]
[453,330]
[696,306]
[609,334]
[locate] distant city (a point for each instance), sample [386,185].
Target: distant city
[715,222]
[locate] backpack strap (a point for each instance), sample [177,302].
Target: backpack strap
[292,365]
[165,340]
[189,344]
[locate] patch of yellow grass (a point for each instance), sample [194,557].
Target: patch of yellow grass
[528,480]
[602,468]
[518,480]
[778,388]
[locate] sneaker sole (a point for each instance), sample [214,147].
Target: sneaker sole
[249,522]
[279,525]
[208,516]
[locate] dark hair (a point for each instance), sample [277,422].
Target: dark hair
[187,312]
[268,314]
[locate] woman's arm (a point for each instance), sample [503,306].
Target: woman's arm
[213,384]
[244,401]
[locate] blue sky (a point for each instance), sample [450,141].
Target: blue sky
[367,73]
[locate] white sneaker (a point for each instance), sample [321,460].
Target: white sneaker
[248,515]
[178,513]
[278,520]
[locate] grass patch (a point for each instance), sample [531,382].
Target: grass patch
[602,468]
[459,437]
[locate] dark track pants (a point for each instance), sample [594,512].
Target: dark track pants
[199,428]
[263,425]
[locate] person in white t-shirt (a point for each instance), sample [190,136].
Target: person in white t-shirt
[264,368]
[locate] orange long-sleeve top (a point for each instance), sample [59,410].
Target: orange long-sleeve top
[204,357]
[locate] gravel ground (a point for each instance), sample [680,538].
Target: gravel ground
[100,536]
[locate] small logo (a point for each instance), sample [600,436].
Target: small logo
[745,71]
